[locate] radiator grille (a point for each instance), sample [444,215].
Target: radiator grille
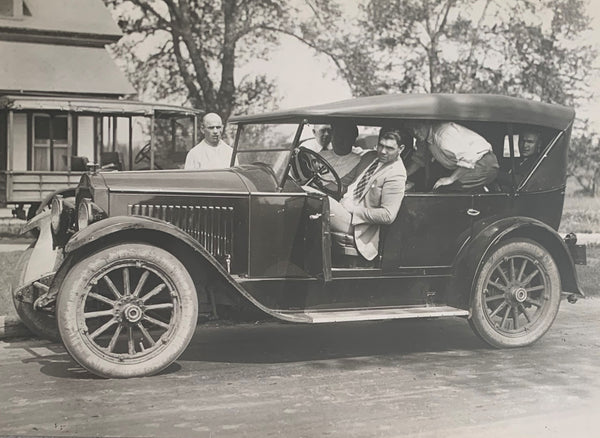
[210,225]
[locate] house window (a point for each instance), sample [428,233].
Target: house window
[47,156]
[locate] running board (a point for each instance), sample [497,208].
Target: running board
[324,316]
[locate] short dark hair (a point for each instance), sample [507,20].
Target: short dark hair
[399,136]
[345,125]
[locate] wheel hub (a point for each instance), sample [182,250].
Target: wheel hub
[519,294]
[133,313]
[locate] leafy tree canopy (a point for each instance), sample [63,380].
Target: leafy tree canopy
[514,47]
[191,48]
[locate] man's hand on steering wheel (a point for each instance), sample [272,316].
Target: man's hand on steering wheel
[315,171]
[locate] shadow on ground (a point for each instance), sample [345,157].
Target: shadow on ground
[280,343]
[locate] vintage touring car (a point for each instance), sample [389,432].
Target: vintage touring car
[138,257]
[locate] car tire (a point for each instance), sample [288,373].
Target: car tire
[40,323]
[127,310]
[517,294]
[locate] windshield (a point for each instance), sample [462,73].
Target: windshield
[270,144]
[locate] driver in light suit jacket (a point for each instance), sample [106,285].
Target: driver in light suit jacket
[375,196]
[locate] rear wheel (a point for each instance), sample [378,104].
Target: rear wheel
[517,294]
[128,310]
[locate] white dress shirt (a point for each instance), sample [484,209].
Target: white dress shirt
[206,156]
[314,145]
[453,145]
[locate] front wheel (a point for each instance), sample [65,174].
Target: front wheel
[517,294]
[127,310]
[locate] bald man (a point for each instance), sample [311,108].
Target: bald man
[212,152]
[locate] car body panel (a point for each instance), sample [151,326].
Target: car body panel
[427,231]
[488,233]
[298,250]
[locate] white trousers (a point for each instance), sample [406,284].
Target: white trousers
[341,219]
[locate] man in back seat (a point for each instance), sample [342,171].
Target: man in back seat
[529,149]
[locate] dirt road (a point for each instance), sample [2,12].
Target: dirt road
[392,379]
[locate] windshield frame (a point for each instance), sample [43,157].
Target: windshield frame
[290,150]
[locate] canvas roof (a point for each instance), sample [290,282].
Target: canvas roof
[455,107]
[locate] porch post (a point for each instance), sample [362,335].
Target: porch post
[70,137]
[10,138]
[95,134]
[114,134]
[51,134]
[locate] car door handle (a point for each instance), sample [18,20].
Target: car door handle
[473,212]
[314,217]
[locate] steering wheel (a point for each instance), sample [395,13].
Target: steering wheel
[144,155]
[315,171]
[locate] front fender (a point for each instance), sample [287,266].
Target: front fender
[104,229]
[109,226]
[485,235]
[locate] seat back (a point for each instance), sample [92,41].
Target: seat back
[111,160]
[79,164]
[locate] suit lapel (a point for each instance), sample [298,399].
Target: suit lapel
[375,174]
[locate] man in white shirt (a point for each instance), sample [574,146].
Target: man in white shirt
[322,140]
[212,152]
[467,154]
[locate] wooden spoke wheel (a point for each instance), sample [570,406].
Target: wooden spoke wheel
[517,294]
[128,310]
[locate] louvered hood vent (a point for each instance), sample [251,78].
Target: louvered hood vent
[210,225]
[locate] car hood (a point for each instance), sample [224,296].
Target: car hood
[241,179]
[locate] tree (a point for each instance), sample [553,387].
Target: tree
[514,47]
[191,48]
[584,156]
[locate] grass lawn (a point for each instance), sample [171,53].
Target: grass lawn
[581,215]
[8,263]
[589,275]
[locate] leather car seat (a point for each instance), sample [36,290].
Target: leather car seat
[343,244]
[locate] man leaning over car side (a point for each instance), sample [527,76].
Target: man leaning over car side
[458,149]
[374,198]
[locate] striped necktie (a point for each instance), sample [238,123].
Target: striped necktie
[362,184]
